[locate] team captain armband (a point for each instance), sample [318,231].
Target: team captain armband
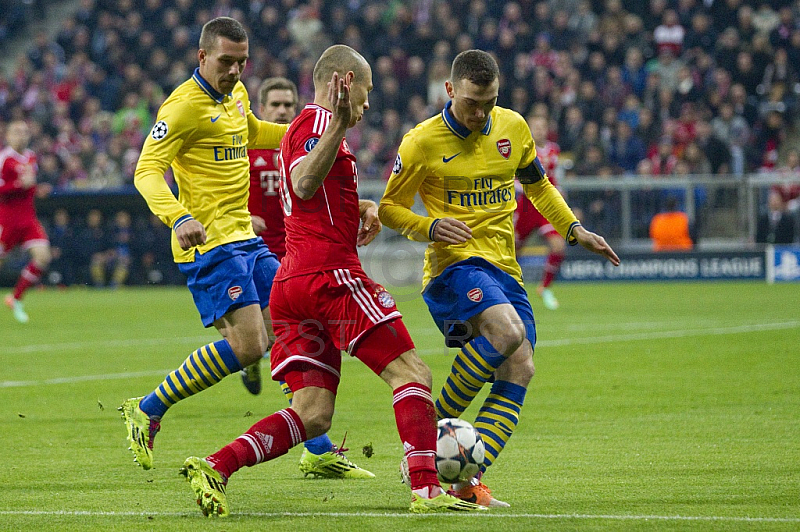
[532,173]
[182,220]
[571,240]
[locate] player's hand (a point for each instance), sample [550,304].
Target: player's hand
[190,234]
[451,231]
[259,225]
[339,98]
[595,243]
[370,225]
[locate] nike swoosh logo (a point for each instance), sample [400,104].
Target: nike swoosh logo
[216,118]
[448,159]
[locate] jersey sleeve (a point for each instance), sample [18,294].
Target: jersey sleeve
[8,178]
[408,173]
[174,125]
[263,134]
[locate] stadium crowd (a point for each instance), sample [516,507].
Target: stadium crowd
[658,88]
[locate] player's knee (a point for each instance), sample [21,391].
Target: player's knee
[506,337]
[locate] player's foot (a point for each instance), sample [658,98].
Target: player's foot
[17,309]
[478,493]
[333,464]
[142,431]
[548,299]
[208,486]
[251,378]
[442,503]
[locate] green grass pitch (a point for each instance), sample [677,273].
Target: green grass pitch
[655,406]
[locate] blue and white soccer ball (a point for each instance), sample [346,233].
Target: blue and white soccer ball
[459,451]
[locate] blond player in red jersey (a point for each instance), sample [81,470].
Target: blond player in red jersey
[18,223]
[323,303]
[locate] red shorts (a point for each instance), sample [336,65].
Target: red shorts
[527,219]
[25,232]
[316,316]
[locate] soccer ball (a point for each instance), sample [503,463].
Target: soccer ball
[459,451]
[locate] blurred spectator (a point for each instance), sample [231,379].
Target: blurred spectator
[91,249]
[777,224]
[62,235]
[626,148]
[669,230]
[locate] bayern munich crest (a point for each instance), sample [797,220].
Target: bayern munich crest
[385,299]
[476,294]
[234,292]
[504,147]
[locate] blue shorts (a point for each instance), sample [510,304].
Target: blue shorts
[230,276]
[469,287]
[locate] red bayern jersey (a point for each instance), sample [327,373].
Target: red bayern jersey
[15,197]
[264,201]
[548,155]
[321,231]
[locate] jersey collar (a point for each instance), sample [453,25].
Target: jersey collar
[207,88]
[457,129]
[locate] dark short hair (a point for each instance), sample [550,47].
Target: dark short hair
[276,84]
[226,27]
[476,66]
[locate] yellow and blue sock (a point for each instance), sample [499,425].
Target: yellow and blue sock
[204,368]
[471,369]
[498,417]
[318,445]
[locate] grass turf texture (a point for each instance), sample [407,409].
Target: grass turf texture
[655,406]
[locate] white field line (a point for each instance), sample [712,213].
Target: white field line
[482,515]
[652,335]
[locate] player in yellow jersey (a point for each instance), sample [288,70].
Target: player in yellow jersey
[203,131]
[462,163]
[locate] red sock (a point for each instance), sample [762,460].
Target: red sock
[270,438]
[29,276]
[551,267]
[416,423]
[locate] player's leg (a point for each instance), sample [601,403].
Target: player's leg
[222,285]
[499,414]
[268,439]
[470,307]
[557,247]
[264,272]
[34,239]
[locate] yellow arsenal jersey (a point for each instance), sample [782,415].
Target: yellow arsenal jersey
[468,176]
[204,136]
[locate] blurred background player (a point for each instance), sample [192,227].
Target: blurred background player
[18,223]
[323,303]
[472,280]
[277,99]
[527,219]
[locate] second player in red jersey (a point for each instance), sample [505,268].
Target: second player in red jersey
[277,103]
[18,223]
[527,219]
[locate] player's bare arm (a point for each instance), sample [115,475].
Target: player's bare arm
[595,243]
[451,231]
[370,222]
[309,174]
